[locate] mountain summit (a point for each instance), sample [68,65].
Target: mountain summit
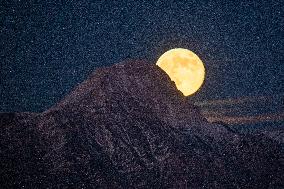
[127,126]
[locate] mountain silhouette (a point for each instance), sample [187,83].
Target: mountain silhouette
[127,126]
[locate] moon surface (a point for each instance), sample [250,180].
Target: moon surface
[185,68]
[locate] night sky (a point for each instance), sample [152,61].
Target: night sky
[48,47]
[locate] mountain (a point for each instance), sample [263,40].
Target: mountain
[127,126]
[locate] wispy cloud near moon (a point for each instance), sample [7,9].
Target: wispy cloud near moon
[239,120]
[245,110]
[242,100]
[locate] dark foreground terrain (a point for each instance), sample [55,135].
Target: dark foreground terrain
[127,126]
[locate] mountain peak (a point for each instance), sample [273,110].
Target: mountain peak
[145,83]
[137,78]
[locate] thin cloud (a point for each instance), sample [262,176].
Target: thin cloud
[242,100]
[233,120]
[235,111]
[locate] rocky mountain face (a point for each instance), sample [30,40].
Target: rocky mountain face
[127,126]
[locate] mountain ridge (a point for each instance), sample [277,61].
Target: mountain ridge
[128,126]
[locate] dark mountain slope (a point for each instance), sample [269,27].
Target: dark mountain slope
[127,126]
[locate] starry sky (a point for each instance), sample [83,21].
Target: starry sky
[48,47]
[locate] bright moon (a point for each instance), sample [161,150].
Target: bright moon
[184,68]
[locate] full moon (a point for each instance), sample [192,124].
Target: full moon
[185,68]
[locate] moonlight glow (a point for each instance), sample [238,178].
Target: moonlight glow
[184,68]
